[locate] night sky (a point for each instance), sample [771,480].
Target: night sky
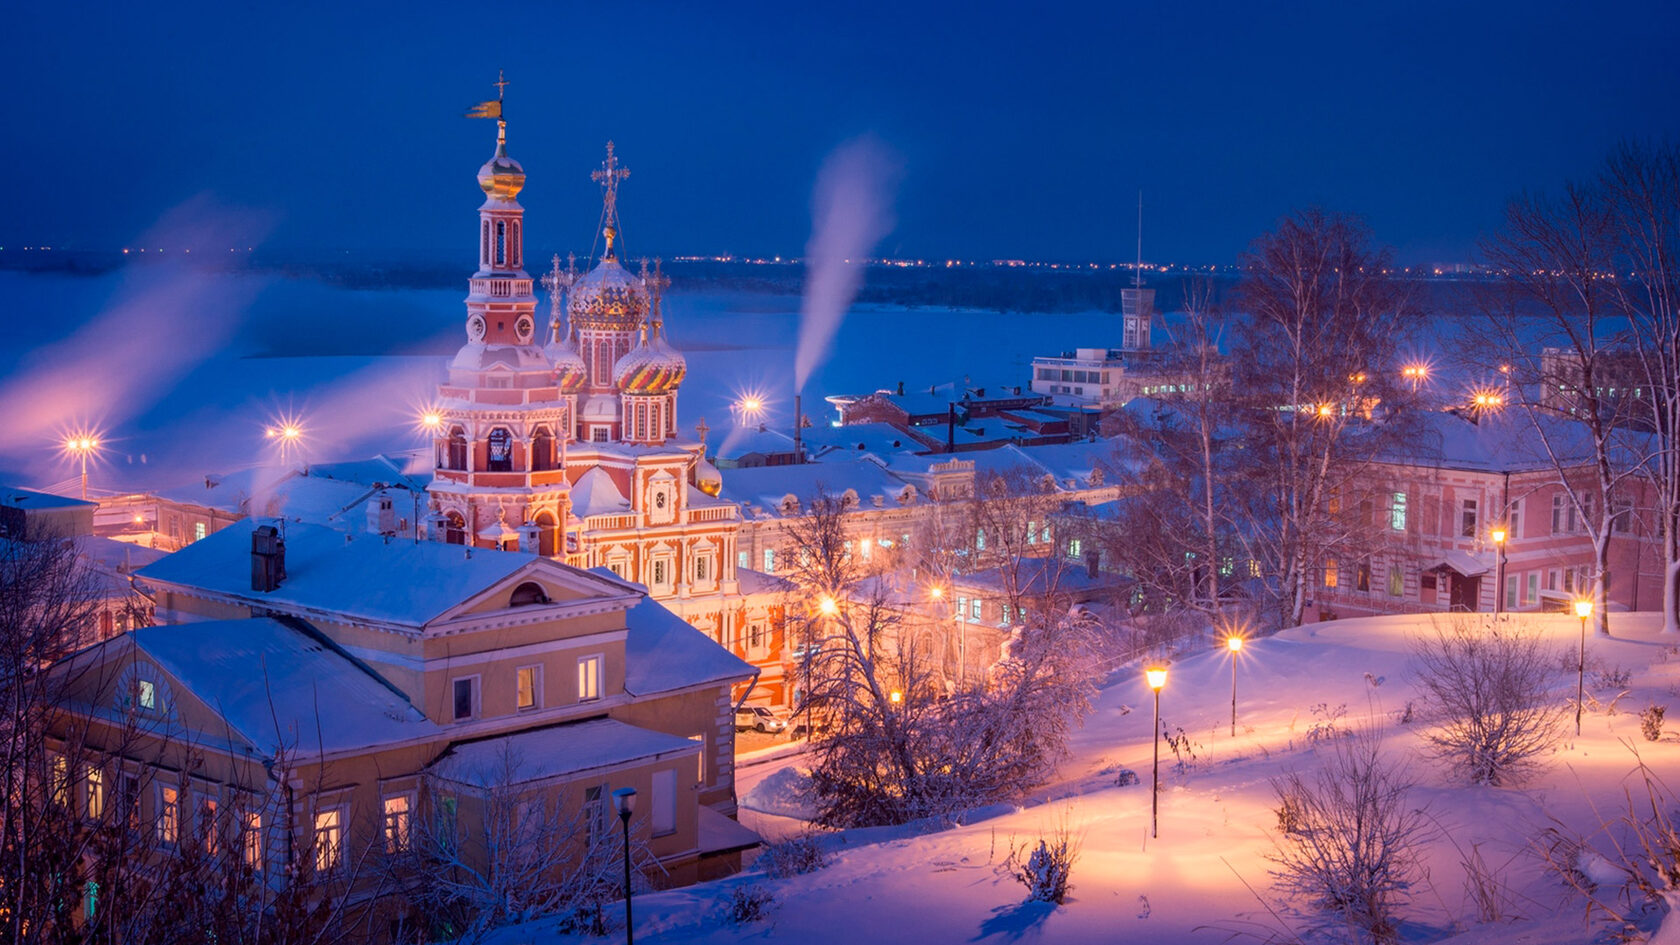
[1023,131]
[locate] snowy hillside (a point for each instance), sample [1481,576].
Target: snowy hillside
[1206,878]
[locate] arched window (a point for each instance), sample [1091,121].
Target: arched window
[500,456]
[548,538]
[456,450]
[484,245]
[528,593]
[542,450]
[513,251]
[455,529]
[501,244]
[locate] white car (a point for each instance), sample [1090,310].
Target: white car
[760,718]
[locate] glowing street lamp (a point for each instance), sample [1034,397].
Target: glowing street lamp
[624,801]
[82,446]
[1583,609]
[828,606]
[1498,534]
[285,434]
[431,421]
[1416,373]
[1157,677]
[1233,643]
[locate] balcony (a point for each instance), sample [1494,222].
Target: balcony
[500,288]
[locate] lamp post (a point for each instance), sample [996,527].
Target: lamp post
[1234,643]
[1157,677]
[1499,572]
[624,801]
[82,446]
[1583,609]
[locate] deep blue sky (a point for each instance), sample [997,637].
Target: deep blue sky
[1024,130]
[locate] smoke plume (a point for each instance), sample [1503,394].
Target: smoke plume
[851,211]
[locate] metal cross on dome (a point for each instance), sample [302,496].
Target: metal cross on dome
[608,177]
[557,281]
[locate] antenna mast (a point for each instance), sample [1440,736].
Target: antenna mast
[1137,271]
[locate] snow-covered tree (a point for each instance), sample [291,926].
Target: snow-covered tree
[1641,185]
[1321,323]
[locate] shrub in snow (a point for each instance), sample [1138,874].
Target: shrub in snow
[1616,678]
[1183,749]
[748,904]
[802,853]
[1046,868]
[1630,868]
[1327,722]
[1126,778]
[1487,689]
[1651,722]
[1351,840]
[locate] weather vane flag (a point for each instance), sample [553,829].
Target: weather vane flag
[492,108]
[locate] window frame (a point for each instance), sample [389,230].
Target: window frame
[535,670]
[598,661]
[476,696]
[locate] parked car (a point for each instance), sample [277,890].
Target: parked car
[760,718]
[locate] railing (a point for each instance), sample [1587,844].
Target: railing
[500,288]
[721,514]
[610,521]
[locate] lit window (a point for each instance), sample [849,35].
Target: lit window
[198,531]
[1467,526]
[1396,582]
[659,575]
[146,694]
[702,568]
[251,839]
[974,608]
[589,678]
[743,559]
[1330,572]
[329,841]
[526,686]
[769,560]
[1397,512]
[1032,533]
[397,822]
[95,793]
[1074,547]
[169,815]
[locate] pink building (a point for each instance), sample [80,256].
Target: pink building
[1421,529]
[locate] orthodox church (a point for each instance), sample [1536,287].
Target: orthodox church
[568,445]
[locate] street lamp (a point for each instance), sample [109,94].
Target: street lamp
[1499,573]
[1233,643]
[1583,609]
[82,446]
[624,801]
[1157,677]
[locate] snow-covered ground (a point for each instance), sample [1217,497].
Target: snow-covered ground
[1206,877]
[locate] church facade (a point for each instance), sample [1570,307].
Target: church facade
[568,446]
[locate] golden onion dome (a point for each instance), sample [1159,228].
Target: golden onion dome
[652,367]
[608,297]
[501,177]
[707,478]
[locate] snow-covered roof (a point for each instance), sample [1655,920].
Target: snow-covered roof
[328,571]
[555,751]
[278,687]
[410,470]
[766,486]
[17,498]
[595,493]
[663,653]
[857,438]
[268,491]
[743,441]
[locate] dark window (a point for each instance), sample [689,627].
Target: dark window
[456,456]
[455,529]
[501,451]
[542,450]
[464,698]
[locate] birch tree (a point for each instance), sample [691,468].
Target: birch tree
[1321,322]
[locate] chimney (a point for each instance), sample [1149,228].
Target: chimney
[1093,557]
[268,559]
[901,388]
[798,435]
[951,428]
